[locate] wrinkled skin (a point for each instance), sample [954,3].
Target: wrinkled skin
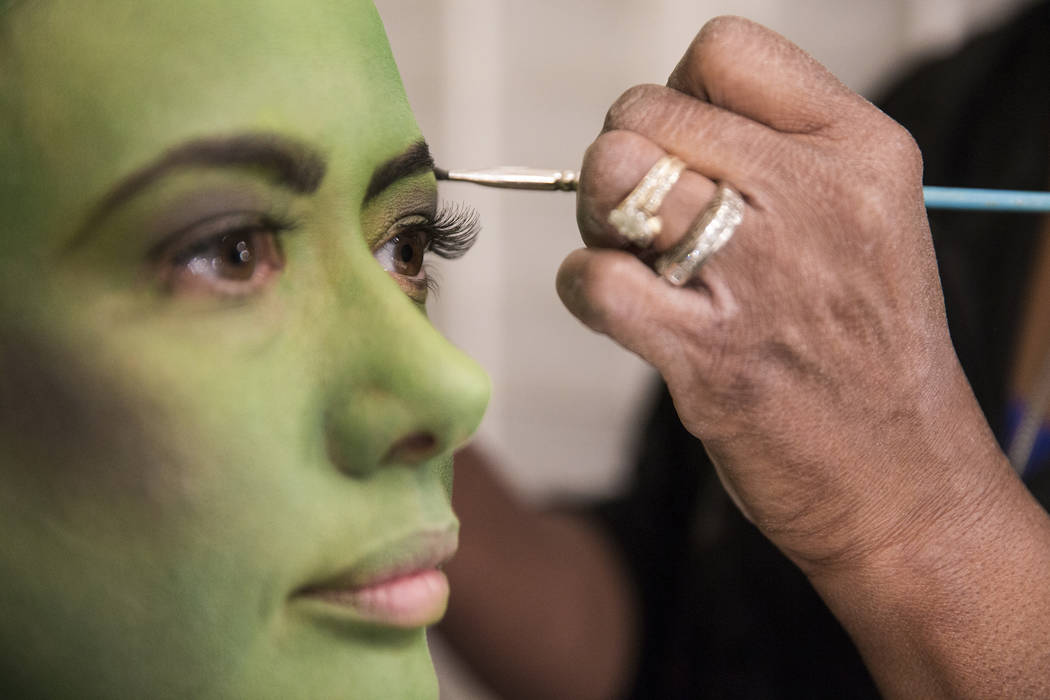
[177,463]
[812,356]
[788,343]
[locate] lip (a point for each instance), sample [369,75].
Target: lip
[399,585]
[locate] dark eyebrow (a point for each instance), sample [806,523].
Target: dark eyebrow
[291,163]
[414,159]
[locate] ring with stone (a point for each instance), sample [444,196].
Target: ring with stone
[636,216]
[712,230]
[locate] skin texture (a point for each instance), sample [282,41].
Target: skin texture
[812,357]
[177,463]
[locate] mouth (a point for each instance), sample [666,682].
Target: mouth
[400,585]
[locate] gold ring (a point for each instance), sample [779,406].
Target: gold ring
[635,217]
[712,230]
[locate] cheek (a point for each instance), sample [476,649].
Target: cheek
[96,553]
[102,462]
[72,432]
[117,521]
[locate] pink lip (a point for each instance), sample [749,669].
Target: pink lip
[399,585]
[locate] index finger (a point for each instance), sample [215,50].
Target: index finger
[743,67]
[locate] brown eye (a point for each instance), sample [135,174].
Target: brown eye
[408,251]
[402,256]
[234,262]
[232,257]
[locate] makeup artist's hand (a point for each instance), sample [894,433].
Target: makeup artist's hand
[811,354]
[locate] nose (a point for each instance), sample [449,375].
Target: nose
[416,447]
[400,393]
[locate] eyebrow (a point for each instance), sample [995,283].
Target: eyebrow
[293,165]
[414,159]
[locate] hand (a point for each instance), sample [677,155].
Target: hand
[811,354]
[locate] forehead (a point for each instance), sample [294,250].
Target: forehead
[102,87]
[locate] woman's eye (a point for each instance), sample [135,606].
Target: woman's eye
[403,254]
[408,253]
[448,234]
[236,262]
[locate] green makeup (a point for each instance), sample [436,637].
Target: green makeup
[186,463]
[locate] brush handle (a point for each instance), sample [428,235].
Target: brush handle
[985,200]
[515,178]
[520,178]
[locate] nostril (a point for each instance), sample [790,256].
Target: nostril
[412,448]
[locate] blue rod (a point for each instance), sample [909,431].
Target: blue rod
[987,200]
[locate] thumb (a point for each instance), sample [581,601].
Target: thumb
[614,293]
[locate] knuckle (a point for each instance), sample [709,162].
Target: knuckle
[610,164]
[724,38]
[723,45]
[883,163]
[631,106]
[722,29]
[903,149]
[895,144]
[896,165]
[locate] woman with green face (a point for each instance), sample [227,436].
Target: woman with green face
[226,425]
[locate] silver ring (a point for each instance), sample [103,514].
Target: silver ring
[712,230]
[635,217]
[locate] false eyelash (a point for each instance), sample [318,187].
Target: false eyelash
[433,281]
[454,230]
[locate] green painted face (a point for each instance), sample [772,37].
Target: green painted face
[226,424]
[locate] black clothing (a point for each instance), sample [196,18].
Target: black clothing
[726,615]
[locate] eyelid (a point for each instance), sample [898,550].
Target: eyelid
[451,230]
[404,223]
[167,262]
[209,227]
[449,233]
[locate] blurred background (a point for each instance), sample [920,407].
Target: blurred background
[504,82]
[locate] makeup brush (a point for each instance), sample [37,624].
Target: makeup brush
[966,198]
[514,178]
